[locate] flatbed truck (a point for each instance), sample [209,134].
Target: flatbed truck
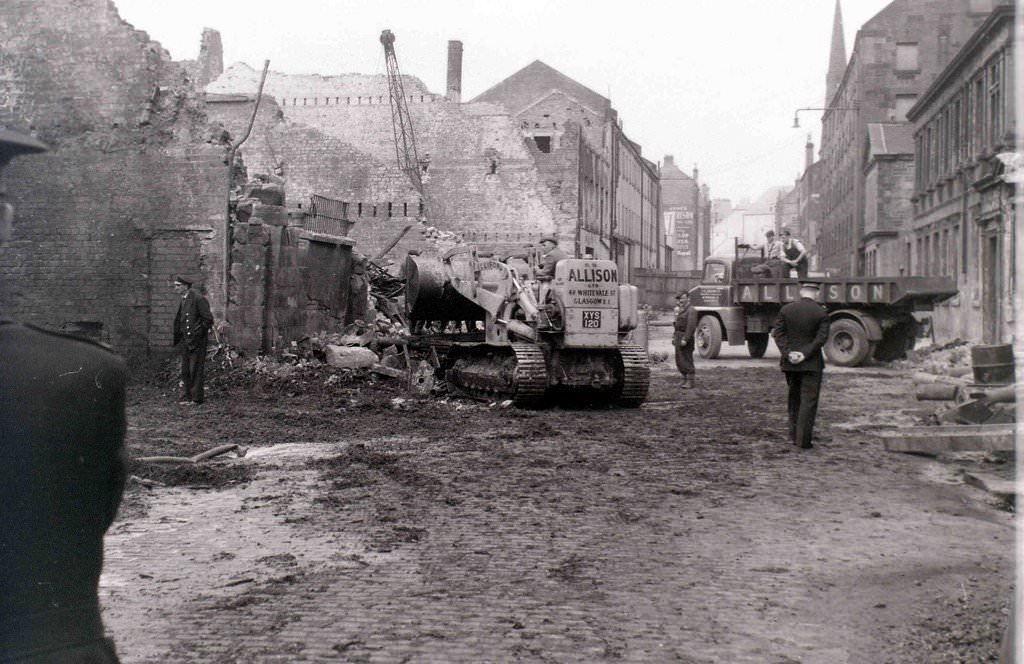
[872,317]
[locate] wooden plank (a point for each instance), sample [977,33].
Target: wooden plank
[388,371]
[993,484]
[935,440]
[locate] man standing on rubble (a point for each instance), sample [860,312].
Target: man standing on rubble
[62,426]
[191,332]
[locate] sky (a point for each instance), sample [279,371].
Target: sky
[714,83]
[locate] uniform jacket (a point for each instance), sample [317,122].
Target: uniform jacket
[802,325]
[194,320]
[62,472]
[685,325]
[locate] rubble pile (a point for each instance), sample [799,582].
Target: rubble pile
[945,373]
[949,359]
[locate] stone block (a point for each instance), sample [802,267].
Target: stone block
[350,357]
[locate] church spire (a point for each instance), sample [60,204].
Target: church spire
[837,58]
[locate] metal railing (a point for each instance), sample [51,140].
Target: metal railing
[327,216]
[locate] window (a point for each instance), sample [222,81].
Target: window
[956,147]
[979,114]
[954,253]
[543,143]
[995,105]
[906,57]
[903,104]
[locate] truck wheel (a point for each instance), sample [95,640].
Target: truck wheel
[708,337]
[757,344]
[847,344]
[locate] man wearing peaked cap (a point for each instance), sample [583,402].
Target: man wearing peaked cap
[13,143]
[684,326]
[62,426]
[800,332]
[552,254]
[191,334]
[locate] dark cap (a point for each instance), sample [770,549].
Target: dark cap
[813,285]
[682,294]
[769,232]
[180,279]
[13,143]
[549,238]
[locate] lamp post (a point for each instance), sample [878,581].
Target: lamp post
[796,117]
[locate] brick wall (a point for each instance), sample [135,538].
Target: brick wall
[134,188]
[285,285]
[482,181]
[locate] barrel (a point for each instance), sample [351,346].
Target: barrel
[993,364]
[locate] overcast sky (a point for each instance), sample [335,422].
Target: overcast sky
[713,82]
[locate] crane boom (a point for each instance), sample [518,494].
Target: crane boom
[401,122]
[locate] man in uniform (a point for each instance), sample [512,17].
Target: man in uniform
[191,332]
[800,331]
[685,325]
[62,472]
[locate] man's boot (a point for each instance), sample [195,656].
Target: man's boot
[687,384]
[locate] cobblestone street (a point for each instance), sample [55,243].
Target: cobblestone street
[687,530]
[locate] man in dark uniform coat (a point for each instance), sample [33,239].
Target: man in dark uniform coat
[62,472]
[800,331]
[191,331]
[685,325]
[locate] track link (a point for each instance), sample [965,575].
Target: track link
[531,376]
[636,376]
[518,372]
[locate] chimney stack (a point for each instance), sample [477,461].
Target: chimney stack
[808,153]
[670,160]
[454,91]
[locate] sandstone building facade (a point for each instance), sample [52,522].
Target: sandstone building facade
[895,56]
[963,204]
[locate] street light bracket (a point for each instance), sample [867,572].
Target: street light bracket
[796,116]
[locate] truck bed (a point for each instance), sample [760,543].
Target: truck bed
[899,291]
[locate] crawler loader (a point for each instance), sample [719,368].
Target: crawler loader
[542,341]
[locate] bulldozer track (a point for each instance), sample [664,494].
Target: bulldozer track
[636,376]
[527,384]
[531,376]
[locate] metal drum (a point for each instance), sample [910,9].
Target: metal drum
[993,365]
[428,298]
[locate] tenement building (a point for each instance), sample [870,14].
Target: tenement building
[686,209]
[964,220]
[896,54]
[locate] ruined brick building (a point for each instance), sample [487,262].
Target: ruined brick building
[133,189]
[607,195]
[137,186]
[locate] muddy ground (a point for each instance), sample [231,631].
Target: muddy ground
[365,525]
